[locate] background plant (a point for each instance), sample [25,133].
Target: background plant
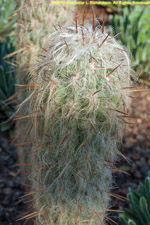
[133,26]
[7,84]
[139,211]
[8,22]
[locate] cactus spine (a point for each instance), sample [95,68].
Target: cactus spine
[77,109]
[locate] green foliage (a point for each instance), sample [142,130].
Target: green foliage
[134,28]
[7,23]
[7,84]
[139,212]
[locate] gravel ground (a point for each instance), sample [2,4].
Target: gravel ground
[136,147]
[12,206]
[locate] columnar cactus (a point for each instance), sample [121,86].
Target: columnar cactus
[78,105]
[36,20]
[35,23]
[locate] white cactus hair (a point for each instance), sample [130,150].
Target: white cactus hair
[79,105]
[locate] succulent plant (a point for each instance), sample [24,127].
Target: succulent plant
[139,212]
[134,28]
[35,23]
[7,18]
[78,101]
[7,84]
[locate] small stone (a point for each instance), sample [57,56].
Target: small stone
[12,174]
[124,168]
[144,169]
[133,168]
[141,162]
[2,214]
[128,144]
[136,156]
[138,174]
[124,191]
[7,191]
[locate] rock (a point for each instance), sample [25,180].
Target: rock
[2,214]
[141,162]
[144,169]
[133,168]
[148,162]
[138,174]
[7,191]
[124,168]
[136,156]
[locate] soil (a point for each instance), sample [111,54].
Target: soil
[136,148]
[12,205]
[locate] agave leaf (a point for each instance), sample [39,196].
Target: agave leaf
[147,183]
[136,207]
[132,215]
[139,205]
[2,95]
[3,82]
[134,26]
[131,222]
[147,47]
[138,55]
[7,84]
[143,190]
[144,209]
[131,43]
[5,126]
[124,218]
[141,37]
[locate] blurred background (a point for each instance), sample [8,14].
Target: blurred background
[131,24]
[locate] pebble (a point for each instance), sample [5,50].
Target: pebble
[138,174]
[9,179]
[144,169]
[7,191]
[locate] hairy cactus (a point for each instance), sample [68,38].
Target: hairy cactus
[133,26]
[35,23]
[36,20]
[78,105]
[139,212]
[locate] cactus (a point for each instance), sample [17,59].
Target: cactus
[78,105]
[7,19]
[139,212]
[7,85]
[133,26]
[36,19]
